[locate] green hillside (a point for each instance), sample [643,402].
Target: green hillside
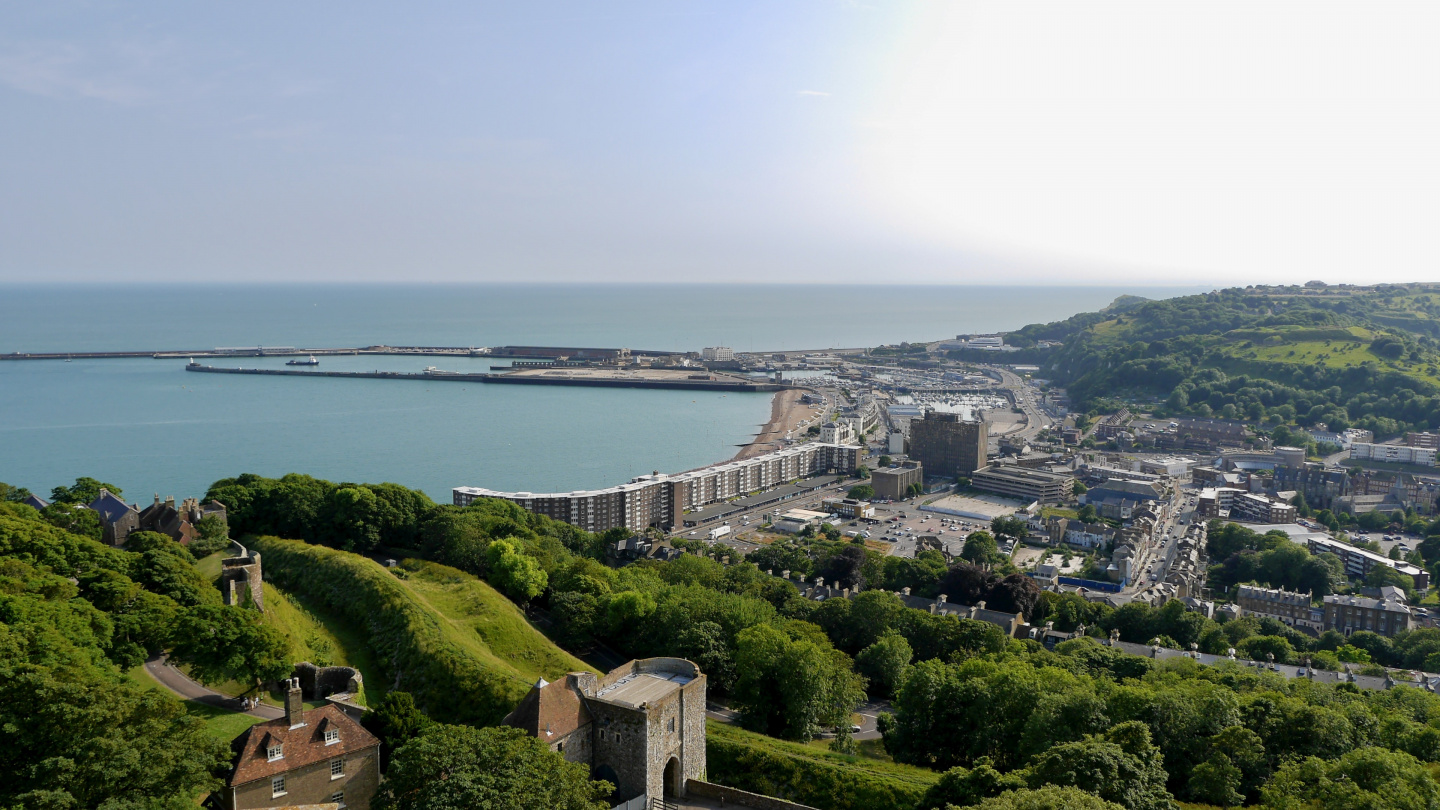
[465,651]
[1366,357]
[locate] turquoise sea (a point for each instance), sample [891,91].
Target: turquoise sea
[149,427]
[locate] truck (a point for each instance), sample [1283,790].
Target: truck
[718,532]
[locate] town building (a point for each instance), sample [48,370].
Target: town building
[1387,616]
[1427,439]
[895,442]
[893,483]
[1359,561]
[849,508]
[1113,425]
[1020,482]
[1394,453]
[841,431]
[948,446]
[717,354]
[662,499]
[1256,508]
[1128,490]
[1291,607]
[119,519]
[307,757]
[1083,535]
[641,727]
[1319,484]
[1210,432]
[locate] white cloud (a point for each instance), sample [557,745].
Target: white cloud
[63,70]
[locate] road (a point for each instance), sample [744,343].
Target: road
[184,687]
[1025,398]
[869,714]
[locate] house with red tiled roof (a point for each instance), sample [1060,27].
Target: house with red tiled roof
[307,757]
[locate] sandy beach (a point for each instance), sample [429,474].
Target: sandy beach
[786,414]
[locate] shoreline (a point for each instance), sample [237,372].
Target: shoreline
[786,414]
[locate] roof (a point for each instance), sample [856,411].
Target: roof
[36,501]
[302,746]
[551,710]
[643,687]
[109,507]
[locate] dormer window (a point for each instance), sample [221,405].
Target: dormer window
[274,752]
[332,736]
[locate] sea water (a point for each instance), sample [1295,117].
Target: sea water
[148,426]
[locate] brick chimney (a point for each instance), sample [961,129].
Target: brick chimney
[294,704]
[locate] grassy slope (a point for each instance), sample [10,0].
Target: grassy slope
[491,626]
[810,774]
[464,650]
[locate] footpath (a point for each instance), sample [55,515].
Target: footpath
[186,688]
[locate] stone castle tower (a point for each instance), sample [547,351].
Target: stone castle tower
[240,578]
[641,727]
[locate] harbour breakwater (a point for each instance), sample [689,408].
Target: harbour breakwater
[689,383]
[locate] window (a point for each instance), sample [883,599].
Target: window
[338,797]
[274,752]
[337,767]
[672,724]
[277,786]
[332,736]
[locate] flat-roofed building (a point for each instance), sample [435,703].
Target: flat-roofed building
[1023,483]
[1394,453]
[849,507]
[947,445]
[661,500]
[1359,561]
[893,483]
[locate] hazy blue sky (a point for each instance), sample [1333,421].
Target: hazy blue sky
[714,141]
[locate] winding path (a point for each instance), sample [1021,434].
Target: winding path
[187,688]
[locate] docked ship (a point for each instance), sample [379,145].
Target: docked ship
[311,361]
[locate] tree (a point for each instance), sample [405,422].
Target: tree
[1215,781]
[964,787]
[1087,514]
[83,491]
[395,720]
[448,767]
[1365,777]
[212,534]
[862,492]
[885,461]
[914,490]
[74,519]
[862,472]
[11,494]
[792,687]
[1016,593]
[704,643]
[225,642]
[981,549]
[965,582]
[1009,527]
[1382,575]
[885,662]
[1047,798]
[516,574]
[1078,488]
[1121,766]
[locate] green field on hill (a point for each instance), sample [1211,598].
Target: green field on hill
[465,651]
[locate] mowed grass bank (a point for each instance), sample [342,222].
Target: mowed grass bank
[464,650]
[811,775]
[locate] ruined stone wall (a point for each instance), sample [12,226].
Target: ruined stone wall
[321,682]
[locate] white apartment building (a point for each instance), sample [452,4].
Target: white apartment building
[1397,453]
[717,354]
[662,499]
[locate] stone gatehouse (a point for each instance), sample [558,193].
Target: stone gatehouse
[641,727]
